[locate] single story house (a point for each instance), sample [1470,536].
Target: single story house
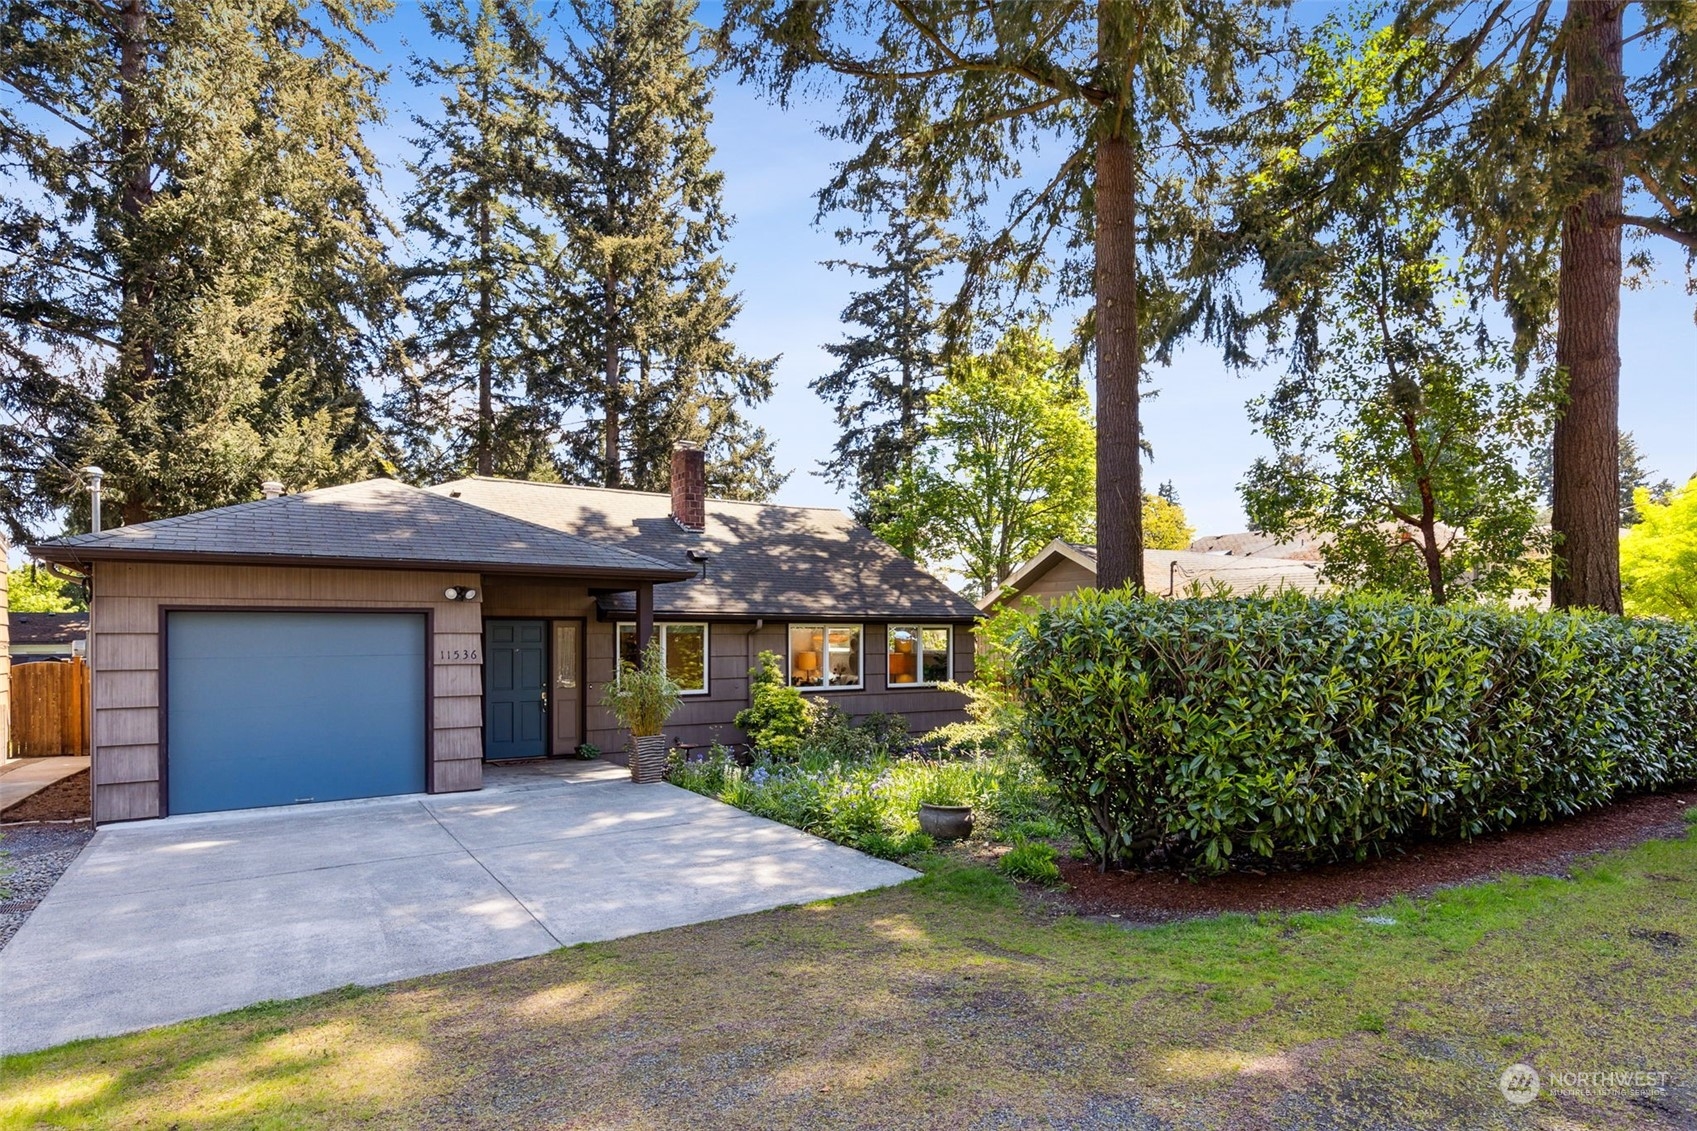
[47,636]
[1063,567]
[376,638]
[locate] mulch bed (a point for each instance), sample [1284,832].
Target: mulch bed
[1164,896]
[64,800]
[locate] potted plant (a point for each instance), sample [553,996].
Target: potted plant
[642,699]
[945,814]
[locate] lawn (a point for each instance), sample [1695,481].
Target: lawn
[958,997]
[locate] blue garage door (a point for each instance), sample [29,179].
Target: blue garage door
[278,708]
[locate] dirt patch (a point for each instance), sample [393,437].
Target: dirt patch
[1162,896]
[64,800]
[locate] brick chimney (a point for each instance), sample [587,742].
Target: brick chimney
[689,487]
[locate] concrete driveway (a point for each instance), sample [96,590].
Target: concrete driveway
[161,921]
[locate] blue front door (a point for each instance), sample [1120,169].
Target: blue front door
[515,693]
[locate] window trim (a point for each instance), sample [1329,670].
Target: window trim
[660,628]
[826,627]
[919,628]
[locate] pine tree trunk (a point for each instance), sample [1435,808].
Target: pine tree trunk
[610,329]
[485,366]
[138,362]
[1586,516]
[1119,471]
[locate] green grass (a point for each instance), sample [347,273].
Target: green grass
[956,994]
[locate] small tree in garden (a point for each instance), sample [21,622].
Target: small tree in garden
[778,716]
[1658,556]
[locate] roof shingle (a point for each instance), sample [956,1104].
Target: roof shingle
[376,522]
[765,560]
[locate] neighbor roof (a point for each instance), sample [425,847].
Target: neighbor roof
[47,628]
[1173,571]
[764,559]
[376,523]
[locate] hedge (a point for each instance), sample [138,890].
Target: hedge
[1199,730]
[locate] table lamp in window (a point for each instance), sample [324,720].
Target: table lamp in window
[807,667]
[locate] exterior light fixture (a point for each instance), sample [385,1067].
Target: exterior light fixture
[460,593]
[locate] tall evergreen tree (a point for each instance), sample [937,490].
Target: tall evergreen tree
[1100,124]
[487,290]
[649,359]
[887,370]
[193,267]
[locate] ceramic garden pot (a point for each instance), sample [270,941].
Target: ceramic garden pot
[946,822]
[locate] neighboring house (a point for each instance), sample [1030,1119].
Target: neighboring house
[1064,567]
[377,639]
[1302,547]
[47,636]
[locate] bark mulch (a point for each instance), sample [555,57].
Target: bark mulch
[1164,896]
[64,800]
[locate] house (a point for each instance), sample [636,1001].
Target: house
[1064,567]
[1253,543]
[47,636]
[376,638]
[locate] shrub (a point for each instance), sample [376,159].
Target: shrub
[1330,727]
[778,715]
[1031,860]
[872,804]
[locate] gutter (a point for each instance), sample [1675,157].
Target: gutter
[77,556]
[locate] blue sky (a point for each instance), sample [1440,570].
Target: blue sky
[774,160]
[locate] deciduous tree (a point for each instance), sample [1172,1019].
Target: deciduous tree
[1009,463]
[1658,556]
[1165,526]
[1400,429]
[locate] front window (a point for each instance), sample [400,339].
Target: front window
[919,655]
[825,656]
[683,652]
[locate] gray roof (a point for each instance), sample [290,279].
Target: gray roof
[1175,571]
[378,522]
[765,560]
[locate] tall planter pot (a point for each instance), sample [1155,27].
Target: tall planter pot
[648,758]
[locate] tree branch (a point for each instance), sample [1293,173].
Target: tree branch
[1661,227]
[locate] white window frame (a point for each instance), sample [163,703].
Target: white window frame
[825,628]
[660,628]
[919,630]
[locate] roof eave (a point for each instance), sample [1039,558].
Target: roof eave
[83,555]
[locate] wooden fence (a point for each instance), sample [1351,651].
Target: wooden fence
[50,716]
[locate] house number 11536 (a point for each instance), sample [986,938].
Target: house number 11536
[457,654]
